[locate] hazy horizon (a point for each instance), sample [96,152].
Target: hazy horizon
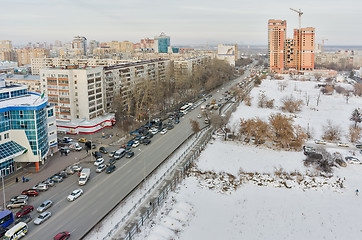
[187,22]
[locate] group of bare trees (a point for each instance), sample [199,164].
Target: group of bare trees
[279,130]
[355,131]
[137,101]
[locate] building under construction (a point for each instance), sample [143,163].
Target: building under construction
[286,54]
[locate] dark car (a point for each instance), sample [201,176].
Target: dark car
[89,145]
[62,174]
[31,192]
[24,210]
[177,121]
[62,236]
[56,178]
[111,161]
[103,150]
[149,135]
[25,218]
[3,231]
[110,168]
[97,154]
[130,154]
[358,145]
[170,127]
[146,141]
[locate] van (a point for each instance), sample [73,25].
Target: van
[16,232]
[119,153]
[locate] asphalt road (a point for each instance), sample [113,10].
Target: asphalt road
[104,191]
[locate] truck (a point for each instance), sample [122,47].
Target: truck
[84,176]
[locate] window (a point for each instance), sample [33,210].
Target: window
[6,136]
[21,114]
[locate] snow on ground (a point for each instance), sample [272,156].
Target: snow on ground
[239,191]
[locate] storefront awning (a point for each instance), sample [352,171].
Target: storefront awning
[11,150]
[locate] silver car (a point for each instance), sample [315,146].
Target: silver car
[42,218]
[17,204]
[44,206]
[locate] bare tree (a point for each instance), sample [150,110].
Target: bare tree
[307,99]
[358,89]
[195,126]
[347,94]
[290,104]
[318,98]
[331,132]
[356,116]
[355,134]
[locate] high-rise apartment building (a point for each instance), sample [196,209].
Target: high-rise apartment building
[162,43]
[276,40]
[80,43]
[6,44]
[290,53]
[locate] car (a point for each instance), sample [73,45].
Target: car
[77,147]
[122,154]
[358,145]
[128,149]
[31,192]
[341,144]
[352,160]
[110,169]
[64,150]
[199,116]
[41,187]
[111,154]
[77,168]
[25,219]
[17,204]
[98,162]
[75,194]
[163,131]
[149,135]
[67,139]
[154,131]
[136,144]
[130,143]
[341,163]
[90,145]
[130,154]
[69,170]
[103,150]
[177,121]
[2,232]
[42,218]
[101,168]
[170,127]
[24,210]
[56,178]
[48,182]
[62,174]
[97,154]
[317,141]
[146,141]
[111,161]
[62,236]
[138,137]
[134,133]
[82,140]
[44,206]
[19,197]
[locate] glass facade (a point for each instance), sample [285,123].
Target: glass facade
[163,44]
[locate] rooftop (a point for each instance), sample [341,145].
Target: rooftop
[22,77]
[30,100]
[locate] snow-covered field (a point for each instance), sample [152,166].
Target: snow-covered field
[238,191]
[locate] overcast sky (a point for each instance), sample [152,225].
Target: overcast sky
[186,21]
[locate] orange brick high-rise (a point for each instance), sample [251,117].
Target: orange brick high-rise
[290,53]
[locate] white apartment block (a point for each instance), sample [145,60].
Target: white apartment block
[76,93]
[123,78]
[38,63]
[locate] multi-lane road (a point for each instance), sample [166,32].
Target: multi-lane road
[104,191]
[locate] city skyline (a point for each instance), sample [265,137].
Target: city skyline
[191,22]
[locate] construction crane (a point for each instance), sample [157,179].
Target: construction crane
[323,39]
[300,13]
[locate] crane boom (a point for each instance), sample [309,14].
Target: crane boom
[300,13]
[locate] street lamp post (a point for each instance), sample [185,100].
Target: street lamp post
[2,179]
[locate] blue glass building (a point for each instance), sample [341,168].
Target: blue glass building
[23,127]
[162,43]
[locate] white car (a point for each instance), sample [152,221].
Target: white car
[77,147]
[163,131]
[136,144]
[341,144]
[352,160]
[101,168]
[75,194]
[42,218]
[98,162]
[199,116]
[320,142]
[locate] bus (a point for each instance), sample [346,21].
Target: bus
[6,218]
[186,107]
[16,232]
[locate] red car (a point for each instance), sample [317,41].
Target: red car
[62,236]
[24,210]
[31,192]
